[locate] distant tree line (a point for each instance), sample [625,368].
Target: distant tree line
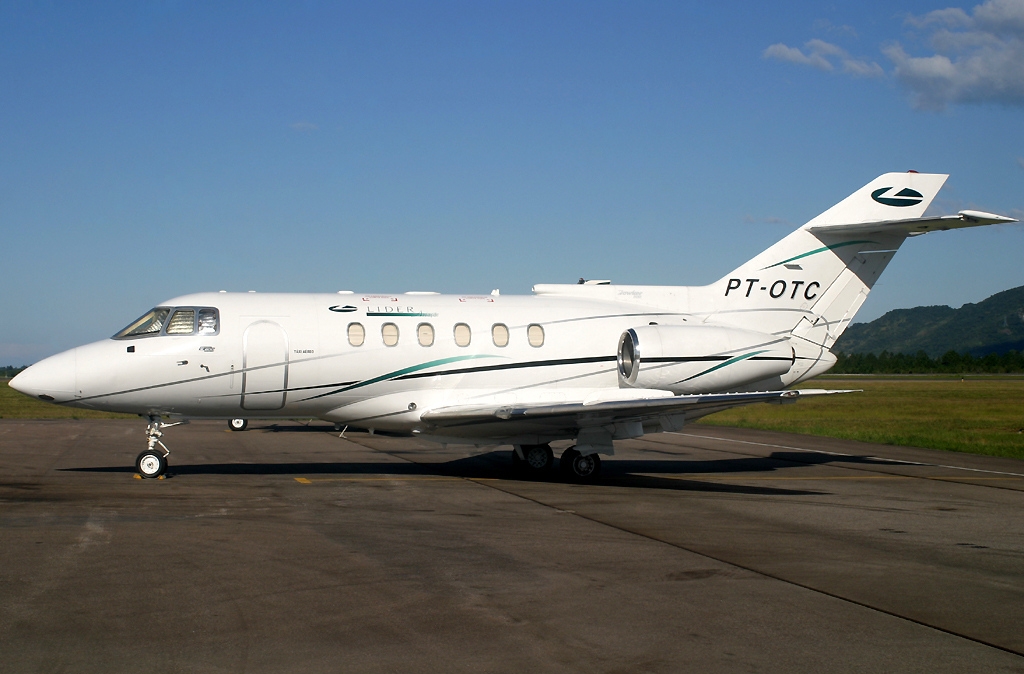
[950,362]
[9,371]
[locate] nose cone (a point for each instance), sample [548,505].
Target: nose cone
[51,379]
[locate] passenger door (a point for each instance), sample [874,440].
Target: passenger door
[264,366]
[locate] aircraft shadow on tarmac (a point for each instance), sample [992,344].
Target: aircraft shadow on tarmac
[495,465]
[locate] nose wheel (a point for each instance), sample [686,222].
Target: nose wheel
[152,463]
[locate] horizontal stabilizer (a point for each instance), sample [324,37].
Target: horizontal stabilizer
[914,226]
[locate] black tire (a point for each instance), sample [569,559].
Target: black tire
[565,461]
[538,458]
[580,468]
[238,424]
[151,464]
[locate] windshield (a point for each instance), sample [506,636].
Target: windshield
[183,322]
[151,323]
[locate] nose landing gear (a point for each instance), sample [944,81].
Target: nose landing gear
[152,463]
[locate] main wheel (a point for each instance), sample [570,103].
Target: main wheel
[238,424]
[151,464]
[580,468]
[538,458]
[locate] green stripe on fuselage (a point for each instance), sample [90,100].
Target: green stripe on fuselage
[399,373]
[734,359]
[815,252]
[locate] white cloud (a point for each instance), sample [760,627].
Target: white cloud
[793,55]
[972,57]
[979,57]
[823,56]
[862,68]
[953,17]
[304,126]
[1002,17]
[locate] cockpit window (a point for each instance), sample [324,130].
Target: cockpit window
[208,323]
[174,321]
[183,322]
[151,323]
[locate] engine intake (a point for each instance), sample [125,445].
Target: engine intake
[700,358]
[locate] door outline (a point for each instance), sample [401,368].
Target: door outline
[245,367]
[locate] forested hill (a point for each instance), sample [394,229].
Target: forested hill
[994,325]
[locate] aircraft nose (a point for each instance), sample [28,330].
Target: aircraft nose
[52,379]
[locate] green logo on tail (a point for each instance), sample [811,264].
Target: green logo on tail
[905,197]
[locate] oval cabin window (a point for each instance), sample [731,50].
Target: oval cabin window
[425,334]
[535,334]
[356,334]
[389,331]
[462,334]
[499,333]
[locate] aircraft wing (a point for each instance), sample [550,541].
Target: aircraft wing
[670,410]
[914,226]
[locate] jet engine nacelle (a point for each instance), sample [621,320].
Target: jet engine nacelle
[700,358]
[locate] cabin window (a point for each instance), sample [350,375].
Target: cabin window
[183,322]
[499,333]
[356,334]
[208,322]
[149,324]
[425,334]
[389,332]
[535,334]
[463,334]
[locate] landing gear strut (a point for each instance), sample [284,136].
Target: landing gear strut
[152,463]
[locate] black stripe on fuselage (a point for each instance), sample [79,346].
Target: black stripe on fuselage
[509,366]
[705,359]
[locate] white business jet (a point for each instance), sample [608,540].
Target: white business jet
[591,362]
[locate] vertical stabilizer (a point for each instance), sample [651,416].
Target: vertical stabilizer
[812,282]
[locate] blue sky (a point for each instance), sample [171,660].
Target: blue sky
[155,149]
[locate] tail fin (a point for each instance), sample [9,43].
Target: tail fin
[812,282]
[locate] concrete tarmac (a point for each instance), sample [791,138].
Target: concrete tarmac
[286,548]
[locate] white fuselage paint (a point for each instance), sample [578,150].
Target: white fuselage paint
[288,355]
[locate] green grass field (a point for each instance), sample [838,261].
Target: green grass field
[981,415]
[14,405]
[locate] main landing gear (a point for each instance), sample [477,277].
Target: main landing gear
[534,459]
[238,424]
[578,467]
[538,460]
[152,463]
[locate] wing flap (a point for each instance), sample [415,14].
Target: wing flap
[633,409]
